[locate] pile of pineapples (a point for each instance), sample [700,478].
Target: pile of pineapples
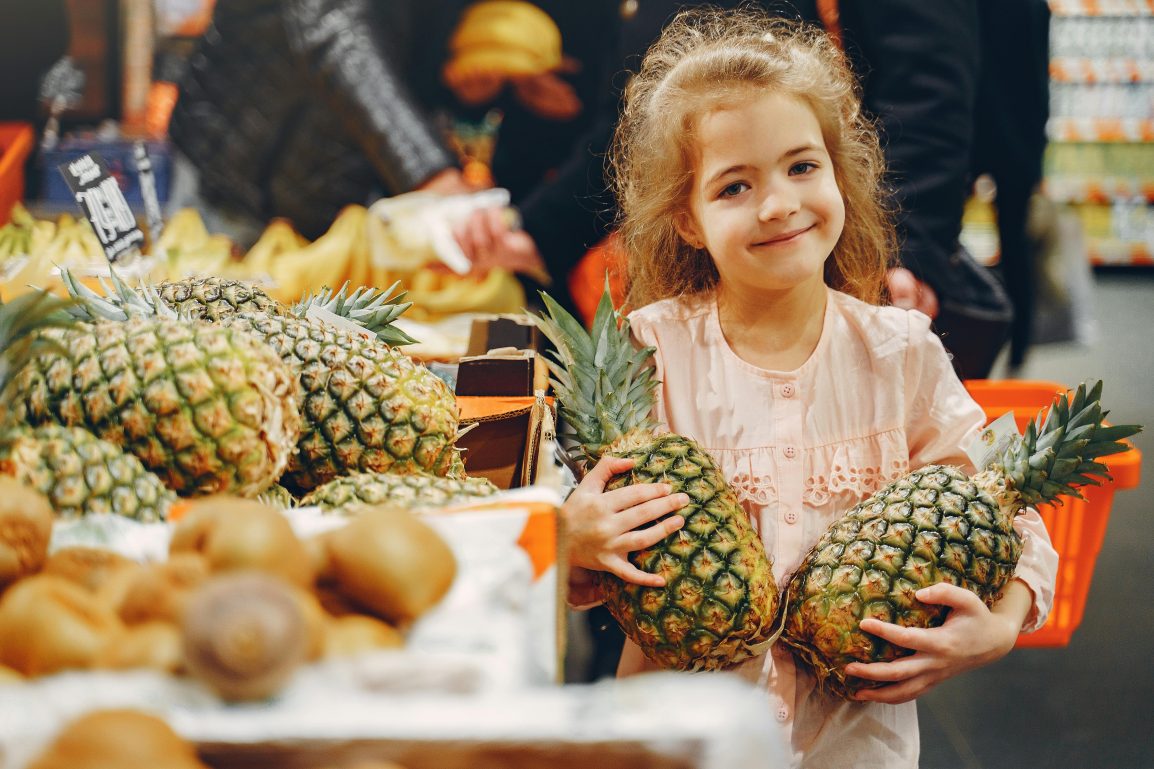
[124,402]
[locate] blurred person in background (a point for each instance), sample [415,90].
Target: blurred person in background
[296,109]
[1013,105]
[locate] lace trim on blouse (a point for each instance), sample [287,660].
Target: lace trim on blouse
[860,482]
[857,482]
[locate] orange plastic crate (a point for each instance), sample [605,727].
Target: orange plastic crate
[15,145]
[1077,527]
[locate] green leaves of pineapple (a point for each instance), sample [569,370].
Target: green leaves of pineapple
[604,384]
[1056,455]
[373,309]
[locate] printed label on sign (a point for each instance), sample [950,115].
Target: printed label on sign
[993,440]
[103,203]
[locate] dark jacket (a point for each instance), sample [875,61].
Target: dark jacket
[296,108]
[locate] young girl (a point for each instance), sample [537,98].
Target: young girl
[758,248]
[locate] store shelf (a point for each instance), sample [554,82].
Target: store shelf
[1102,7]
[1105,252]
[1112,70]
[1101,191]
[1100,129]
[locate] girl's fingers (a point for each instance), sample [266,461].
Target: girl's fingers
[896,694]
[644,513]
[606,468]
[626,497]
[639,540]
[630,573]
[898,670]
[906,637]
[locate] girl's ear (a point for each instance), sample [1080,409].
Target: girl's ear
[686,227]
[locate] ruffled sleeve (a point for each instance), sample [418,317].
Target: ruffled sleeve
[1037,568]
[941,417]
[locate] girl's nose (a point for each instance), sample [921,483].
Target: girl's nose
[779,202]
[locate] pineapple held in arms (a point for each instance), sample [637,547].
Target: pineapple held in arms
[936,525]
[719,600]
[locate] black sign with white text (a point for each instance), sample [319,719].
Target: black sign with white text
[103,203]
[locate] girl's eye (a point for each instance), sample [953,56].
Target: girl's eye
[734,189]
[802,168]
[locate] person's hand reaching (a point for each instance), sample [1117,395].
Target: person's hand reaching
[488,240]
[909,293]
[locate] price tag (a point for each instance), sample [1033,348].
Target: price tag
[103,203]
[993,441]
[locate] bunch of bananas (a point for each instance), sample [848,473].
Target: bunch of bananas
[24,235]
[32,249]
[357,249]
[503,37]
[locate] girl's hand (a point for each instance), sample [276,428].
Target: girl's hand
[600,524]
[972,635]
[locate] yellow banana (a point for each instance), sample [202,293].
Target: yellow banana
[279,238]
[322,262]
[497,292]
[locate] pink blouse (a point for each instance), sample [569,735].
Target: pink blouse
[877,398]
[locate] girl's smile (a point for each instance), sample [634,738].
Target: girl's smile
[785,238]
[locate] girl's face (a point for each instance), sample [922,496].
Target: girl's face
[764,202]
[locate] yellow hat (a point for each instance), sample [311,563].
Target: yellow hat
[506,37]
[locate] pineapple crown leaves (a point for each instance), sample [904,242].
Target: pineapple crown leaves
[20,319]
[604,384]
[119,301]
[369,307]
[1057,453]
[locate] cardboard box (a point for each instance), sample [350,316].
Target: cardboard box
[490,332]
[503,437]
[509,374]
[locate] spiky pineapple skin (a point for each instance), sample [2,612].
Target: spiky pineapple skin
[366,406]
[208,409]
[212,298]
[412,491]
[720,597]
[933,525]
[82,474]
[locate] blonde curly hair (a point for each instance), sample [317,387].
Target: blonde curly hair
[705,59]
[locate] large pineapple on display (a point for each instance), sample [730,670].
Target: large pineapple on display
[366,406]
[78,472]
[936,525]
[209,409]
[719,600]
